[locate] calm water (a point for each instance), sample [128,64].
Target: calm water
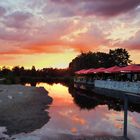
[71,115]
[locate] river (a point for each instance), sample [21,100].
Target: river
[75,114]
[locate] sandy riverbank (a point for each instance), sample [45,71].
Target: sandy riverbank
[22,108]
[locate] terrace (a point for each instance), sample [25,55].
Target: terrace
[125,79]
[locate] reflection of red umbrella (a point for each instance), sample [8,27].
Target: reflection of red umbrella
[130,68]
[99,70]
[112,69]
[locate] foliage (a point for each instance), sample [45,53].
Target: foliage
[119,57]
[88,60]
[21,75]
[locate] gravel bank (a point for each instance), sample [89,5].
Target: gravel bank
[22,108]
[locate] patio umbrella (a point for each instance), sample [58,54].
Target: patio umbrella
[112,69]
[130,68]
[89,71]
[99,70]
[80,71]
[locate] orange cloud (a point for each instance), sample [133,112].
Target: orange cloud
[56,28]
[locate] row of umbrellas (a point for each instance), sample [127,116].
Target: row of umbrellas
[114,69]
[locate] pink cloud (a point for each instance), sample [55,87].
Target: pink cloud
[2,11]
[48,39]
[24,32]
[133,43]
[17,19]
[99,7]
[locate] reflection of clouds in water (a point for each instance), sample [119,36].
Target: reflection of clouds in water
[67,118]
[134,125]
[59,102]
[74,118]
[116,118]
[134,119]
[77,122]
[74,130]
[78,119]
[65,113]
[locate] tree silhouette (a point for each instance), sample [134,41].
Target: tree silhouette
[119,57]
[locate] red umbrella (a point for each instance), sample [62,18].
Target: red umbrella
[78,72]
[89,71]
[99,70]
[112,69]
[130,68]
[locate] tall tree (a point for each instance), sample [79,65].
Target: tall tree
[119,57]
[88,60]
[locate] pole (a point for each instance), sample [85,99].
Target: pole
[125,115]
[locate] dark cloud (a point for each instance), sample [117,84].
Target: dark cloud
[17,19]
[8,35]
[100,7]
[2,11]
[64,1]
[38,32]
[110,8]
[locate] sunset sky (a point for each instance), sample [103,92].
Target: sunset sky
[50,33]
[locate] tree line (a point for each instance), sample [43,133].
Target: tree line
[119,57]
[19,74]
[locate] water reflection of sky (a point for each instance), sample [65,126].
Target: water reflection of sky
[68,118]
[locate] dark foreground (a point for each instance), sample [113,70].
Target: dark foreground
[68,137]
[22,108]
[73,115]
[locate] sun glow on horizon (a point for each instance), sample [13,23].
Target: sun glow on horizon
[54,60]
[51,33]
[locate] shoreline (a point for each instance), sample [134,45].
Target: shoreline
[22,108]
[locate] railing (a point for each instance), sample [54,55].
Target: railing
[133,87]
